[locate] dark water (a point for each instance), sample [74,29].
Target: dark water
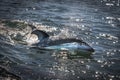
[97,22]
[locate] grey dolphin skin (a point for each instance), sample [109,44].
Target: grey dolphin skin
[67,44]
[41,34]
[43,37]
[71,43]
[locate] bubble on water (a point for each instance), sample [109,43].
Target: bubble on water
[53,54]
[39,65]
[26,9]
[45,78]
[33,8]
[60,68]
[73,72]
[109,4]
[83,26]
[96,10]
[99,61]
[108,53]
[112,62]
[87,33]
[84,71]
[97,37]
[96,76]
[102,66]
[115,50]
[26,63]
[64,57]
[78,77]
[113,25]
[118,3]
[118,19]
[88,67]
[112,53]
[101,34]
[82,62]
[71,17]
[82,29]
[67,71]
[65,33]
[119,50]
[105,63]
[44,27]
[96,43]
[77,20]
[109,17]
[110,22]
[96,72]
[112,76]
[81,19]
[115,42]
[108,36]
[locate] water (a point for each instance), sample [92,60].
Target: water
[97,22]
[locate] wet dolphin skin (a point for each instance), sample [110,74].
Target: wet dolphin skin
[61,44]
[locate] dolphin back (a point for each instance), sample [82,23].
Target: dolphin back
[69,44]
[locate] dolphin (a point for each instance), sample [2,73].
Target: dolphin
[61,44]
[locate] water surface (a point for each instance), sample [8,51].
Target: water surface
[97,22]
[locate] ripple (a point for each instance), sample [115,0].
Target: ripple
[109,4]
[108,36]
[95,22]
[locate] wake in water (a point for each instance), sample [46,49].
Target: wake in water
[17,38]
[96,22]
[41,38]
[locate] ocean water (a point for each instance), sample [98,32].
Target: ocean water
[97,22]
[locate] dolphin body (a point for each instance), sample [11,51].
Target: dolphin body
[61,44]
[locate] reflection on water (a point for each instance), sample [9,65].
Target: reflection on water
[97,22]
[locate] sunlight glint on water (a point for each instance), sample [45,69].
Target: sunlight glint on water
[97,22]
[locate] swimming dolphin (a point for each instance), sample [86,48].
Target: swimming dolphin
[61,44]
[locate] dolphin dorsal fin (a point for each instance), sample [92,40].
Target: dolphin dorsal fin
[41,34]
